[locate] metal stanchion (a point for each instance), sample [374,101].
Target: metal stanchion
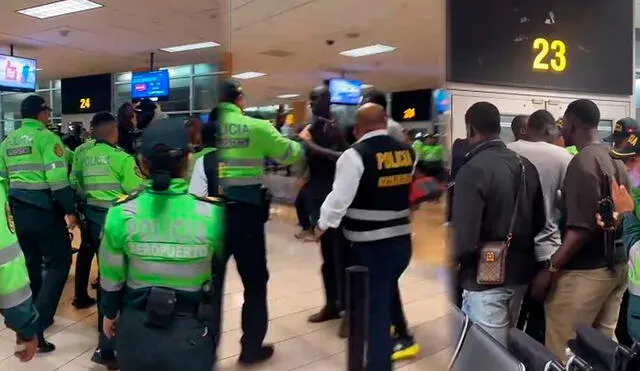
[357,317]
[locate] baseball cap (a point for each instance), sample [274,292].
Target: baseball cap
[165,137]
[629,147]
[33,105]
[622,129]
[229,91]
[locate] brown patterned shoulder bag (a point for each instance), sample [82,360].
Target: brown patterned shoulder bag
[493,254]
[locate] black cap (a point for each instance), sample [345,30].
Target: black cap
[145,105]
[623,128]
[32,105]
[165,137]
[229,91]
[629,147]
[102,118]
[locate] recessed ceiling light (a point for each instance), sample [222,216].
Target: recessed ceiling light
[366,86]
[248,75]
[184,48]
[38,69]
[59,8]
[287,96]
[368,50]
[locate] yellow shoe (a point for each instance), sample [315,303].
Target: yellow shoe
[404,349]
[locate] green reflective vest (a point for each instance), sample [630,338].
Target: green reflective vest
[418,147]
[15,293]
[107,173]
[573,150]
[166,239]
[631,238]
[244,143]
[75,178]
[34,158]
[433,152]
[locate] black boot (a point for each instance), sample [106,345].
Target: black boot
[325,314]
[43,345]
[105,358]
[251,357]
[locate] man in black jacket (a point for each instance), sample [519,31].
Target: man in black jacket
[487,189]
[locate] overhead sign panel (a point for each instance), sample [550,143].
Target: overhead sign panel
[573,45]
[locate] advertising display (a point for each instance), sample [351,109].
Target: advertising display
[573,45]
[345,91]
[152,84]
[17,74]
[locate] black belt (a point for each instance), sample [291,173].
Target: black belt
[182,308]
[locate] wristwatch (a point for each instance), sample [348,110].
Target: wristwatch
[548,265]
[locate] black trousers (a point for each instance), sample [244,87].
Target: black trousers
[302,209]
[531,319]
[44,240]
[245,241]
[386,260]
[398,319]
[622,328]
[184,346]
[88,249]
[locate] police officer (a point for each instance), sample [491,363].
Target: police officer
[156,259]
[244,143]
[371,193]
[16,304]
[40,198]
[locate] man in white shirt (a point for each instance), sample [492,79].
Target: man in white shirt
[371,193]
[551,162]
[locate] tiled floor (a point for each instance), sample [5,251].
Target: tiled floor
[295,292]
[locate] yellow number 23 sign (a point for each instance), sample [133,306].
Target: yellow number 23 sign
[551,55]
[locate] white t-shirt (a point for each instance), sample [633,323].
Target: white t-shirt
[551,161]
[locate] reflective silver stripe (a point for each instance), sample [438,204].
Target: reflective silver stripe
[110,258]
[102,187]
[17,297]
[26,167]
[95,172]
[29,186]
[181,270]
[242,162]
[9,253]
[378,234]
[54,165]
[377,215]
[135,284]
[226,182]
[58,185]
[110,286]
[287,154]
[97,203]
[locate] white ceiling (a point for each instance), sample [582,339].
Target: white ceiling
[120,36]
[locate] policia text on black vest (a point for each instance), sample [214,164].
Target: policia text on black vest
[381,209]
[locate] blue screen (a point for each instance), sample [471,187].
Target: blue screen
[17,74]
[442,99]
[345,91]
[153,84]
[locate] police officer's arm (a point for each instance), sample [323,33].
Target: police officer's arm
[4,171]
[277,147]
[55,165]
[111,262]
[75,178]
[349,170]
[130,175]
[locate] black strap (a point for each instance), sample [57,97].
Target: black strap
[210,164]
[516,206]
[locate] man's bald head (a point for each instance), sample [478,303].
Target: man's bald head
[370,117]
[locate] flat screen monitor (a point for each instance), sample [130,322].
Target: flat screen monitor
[17,74]
[345,91]
[412,105]
[86,94]
[442,101]
[570,45]
[151,84]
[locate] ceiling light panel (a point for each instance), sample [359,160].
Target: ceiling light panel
[288,96]
[248,75]
[368,50]
[184,48]
[59,8]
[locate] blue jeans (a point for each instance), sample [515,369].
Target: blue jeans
[386,260]
[495,310]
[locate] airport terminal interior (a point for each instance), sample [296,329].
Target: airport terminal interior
[429,60]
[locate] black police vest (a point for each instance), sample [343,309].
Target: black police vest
[381,209]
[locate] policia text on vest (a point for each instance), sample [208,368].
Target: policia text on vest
[394,160]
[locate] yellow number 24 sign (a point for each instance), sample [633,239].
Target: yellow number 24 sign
[544,61]
[85,103]
[409,113]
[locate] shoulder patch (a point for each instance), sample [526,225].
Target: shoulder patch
[127,198]
[58,150]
